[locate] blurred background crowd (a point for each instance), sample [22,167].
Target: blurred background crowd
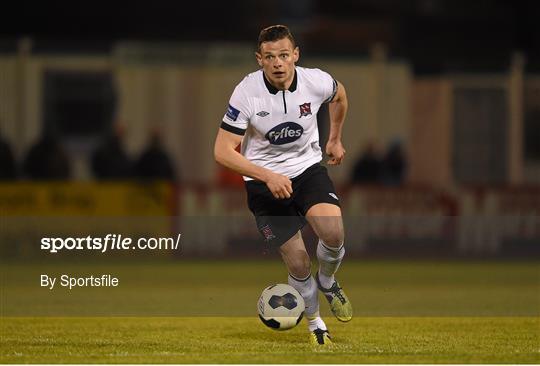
[444,98]
[81,82]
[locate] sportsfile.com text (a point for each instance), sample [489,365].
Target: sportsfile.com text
[110,242]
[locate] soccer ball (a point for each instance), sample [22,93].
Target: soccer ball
[281,307]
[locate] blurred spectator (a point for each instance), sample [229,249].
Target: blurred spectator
[154,163]
[367,169]
[394,165]
[110,160]
[8,169]
[47,160]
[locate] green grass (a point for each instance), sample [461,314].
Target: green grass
[205,312]
[231,288]
[244,340]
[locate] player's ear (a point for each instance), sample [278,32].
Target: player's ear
[296,54]
[258,56]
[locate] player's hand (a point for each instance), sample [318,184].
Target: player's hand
[336,152]
[279,185]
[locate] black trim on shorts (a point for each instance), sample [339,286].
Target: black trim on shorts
[235,130]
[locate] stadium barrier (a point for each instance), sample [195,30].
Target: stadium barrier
[501,221]
[389,221]
[413,221]
[417,221]
[33,210]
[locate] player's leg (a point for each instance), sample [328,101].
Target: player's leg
[298,263]
[326,221]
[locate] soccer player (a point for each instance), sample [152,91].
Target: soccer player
[272,114]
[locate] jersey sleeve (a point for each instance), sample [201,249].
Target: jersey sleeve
[328,86]
[236,118]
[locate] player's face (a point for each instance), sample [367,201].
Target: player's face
[277,60]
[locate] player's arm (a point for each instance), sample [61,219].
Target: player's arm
[225,154]
[338,110]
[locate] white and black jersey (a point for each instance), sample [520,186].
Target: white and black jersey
[280,126]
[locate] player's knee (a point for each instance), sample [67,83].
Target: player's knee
[333,237]
[300,266]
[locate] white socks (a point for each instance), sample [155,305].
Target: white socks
[308,289]
[329,261]
[316,322]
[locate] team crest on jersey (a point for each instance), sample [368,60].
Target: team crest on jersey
[305,109]
[267,232]
[263,114]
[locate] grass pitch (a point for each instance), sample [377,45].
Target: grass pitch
[244,340]
[405,312]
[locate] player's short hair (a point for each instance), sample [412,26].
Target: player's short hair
[275,33]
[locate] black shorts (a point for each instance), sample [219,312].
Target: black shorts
[279,219]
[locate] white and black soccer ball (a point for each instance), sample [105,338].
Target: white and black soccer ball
[281,307]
